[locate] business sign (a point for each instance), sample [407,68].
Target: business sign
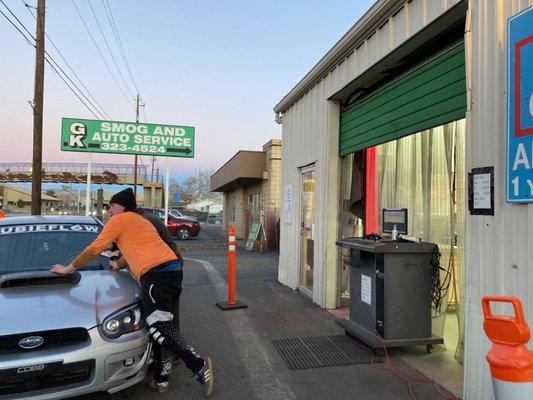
[87,135]
[520,108]
[253,234]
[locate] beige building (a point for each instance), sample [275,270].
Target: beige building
[407,107]
[250,182]
[153,195]
[15,196]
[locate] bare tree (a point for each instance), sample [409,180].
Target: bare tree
[195,188]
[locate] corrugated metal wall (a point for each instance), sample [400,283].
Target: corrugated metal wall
[310,134]
[499,249]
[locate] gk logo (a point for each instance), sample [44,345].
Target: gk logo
[78,131]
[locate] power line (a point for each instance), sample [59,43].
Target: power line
[33,45]
[50,57]
[17,28]
[99,52]
[109,49]
[79,98]
[117,37]
[100,109]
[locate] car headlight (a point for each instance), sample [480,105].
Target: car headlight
[123,321]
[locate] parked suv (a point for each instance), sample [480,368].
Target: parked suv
[182,228]
[65,336]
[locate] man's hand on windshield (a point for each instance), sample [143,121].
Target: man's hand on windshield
[63,270]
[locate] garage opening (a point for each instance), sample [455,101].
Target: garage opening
[403,146]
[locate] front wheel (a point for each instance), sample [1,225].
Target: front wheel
[183,234]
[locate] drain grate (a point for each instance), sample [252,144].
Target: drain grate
[321,351]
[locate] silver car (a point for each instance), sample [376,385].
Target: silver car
[65,336]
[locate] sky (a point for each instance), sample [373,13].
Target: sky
[220,66]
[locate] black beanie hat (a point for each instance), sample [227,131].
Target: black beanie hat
[125,198]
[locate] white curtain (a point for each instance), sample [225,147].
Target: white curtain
[424,173]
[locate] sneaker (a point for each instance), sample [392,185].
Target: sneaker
[160,387]
[205,376]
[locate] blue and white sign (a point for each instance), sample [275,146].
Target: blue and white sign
[177,197]
[520,108]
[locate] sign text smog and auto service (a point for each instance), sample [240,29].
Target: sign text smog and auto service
[117,137]
[520,108]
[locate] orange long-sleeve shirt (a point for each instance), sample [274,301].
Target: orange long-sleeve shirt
[137,239]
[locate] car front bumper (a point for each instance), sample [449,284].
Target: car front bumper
[100,364]
[195,230]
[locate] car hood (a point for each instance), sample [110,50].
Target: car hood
[86,304]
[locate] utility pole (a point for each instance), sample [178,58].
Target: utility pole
[37,164]
[135,167]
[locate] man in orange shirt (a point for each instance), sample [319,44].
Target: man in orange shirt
[156,267]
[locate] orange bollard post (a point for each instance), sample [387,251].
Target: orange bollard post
[511,363]
[231,304]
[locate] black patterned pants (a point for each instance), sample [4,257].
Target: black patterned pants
[160,291]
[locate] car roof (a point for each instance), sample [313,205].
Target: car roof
[48,219]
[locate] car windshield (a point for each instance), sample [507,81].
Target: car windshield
[174,213]
[38,247]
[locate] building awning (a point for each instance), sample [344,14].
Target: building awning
[244,168]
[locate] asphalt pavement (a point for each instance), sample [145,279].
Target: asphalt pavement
[246,364]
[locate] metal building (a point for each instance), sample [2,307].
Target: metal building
[453,55]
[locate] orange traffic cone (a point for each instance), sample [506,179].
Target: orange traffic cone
[511,363]
[231,304]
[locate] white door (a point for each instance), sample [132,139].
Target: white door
[307,230]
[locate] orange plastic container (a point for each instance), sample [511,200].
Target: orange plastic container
[511,362]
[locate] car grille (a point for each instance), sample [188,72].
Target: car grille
[42,377]
[51,340]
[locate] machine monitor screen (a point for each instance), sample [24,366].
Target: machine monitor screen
[394,216]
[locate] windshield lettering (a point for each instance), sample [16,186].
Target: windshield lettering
[33,247]
[13,230]
[6,230]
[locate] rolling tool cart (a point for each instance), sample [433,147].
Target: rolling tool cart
[390,293]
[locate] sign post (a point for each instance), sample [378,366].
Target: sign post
[520,108]
[88,187]
[167,189]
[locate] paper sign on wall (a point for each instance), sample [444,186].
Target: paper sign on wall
[366,289]
[287,201]
[482,191]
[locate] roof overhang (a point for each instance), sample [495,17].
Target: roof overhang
[446,28]
[235,184]
[244,168]
[373,19]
